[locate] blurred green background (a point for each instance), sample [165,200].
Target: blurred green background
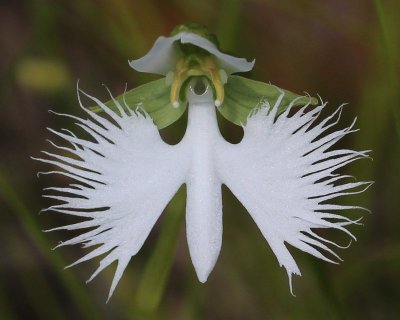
[345,51]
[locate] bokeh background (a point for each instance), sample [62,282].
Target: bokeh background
[345,51]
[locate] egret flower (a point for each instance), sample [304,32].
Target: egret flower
[284,171]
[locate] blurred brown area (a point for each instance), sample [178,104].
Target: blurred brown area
[338,49]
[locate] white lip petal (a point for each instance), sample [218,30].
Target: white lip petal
[282,171]
[124,178]
[284,176]
[164,54]
[204,201]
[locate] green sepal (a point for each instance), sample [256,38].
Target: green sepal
[243,95]
[153,98]
[198,29]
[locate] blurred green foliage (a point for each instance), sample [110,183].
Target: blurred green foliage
[343,50]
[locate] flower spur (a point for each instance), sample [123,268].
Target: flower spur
[283,172]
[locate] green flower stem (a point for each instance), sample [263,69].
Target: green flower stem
[37,288]
[122,34]
[26,218]
[5,310]
[154,279]
[389,62]
[229,23]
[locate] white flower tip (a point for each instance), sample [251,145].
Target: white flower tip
[290,274]
[175,104]
[202,275]
[223,76]
[60,243]
[217,103]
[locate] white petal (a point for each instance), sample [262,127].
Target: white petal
[283,175]
[161,58]
[126,176]
[204,203]
[165,52]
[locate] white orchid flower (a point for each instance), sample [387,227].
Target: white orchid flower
[284,172]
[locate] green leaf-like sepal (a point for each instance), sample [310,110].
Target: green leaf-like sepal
[153,98]
[243,95]
[198,29]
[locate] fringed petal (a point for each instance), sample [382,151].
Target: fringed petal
[125,176]
[285,177]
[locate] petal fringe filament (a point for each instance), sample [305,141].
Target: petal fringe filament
[284,172]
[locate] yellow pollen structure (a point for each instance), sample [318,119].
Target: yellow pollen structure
[212,72]
[206,66]
[180,76]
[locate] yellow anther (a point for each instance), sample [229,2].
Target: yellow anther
[179,77]
[213,73]
[188,67]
